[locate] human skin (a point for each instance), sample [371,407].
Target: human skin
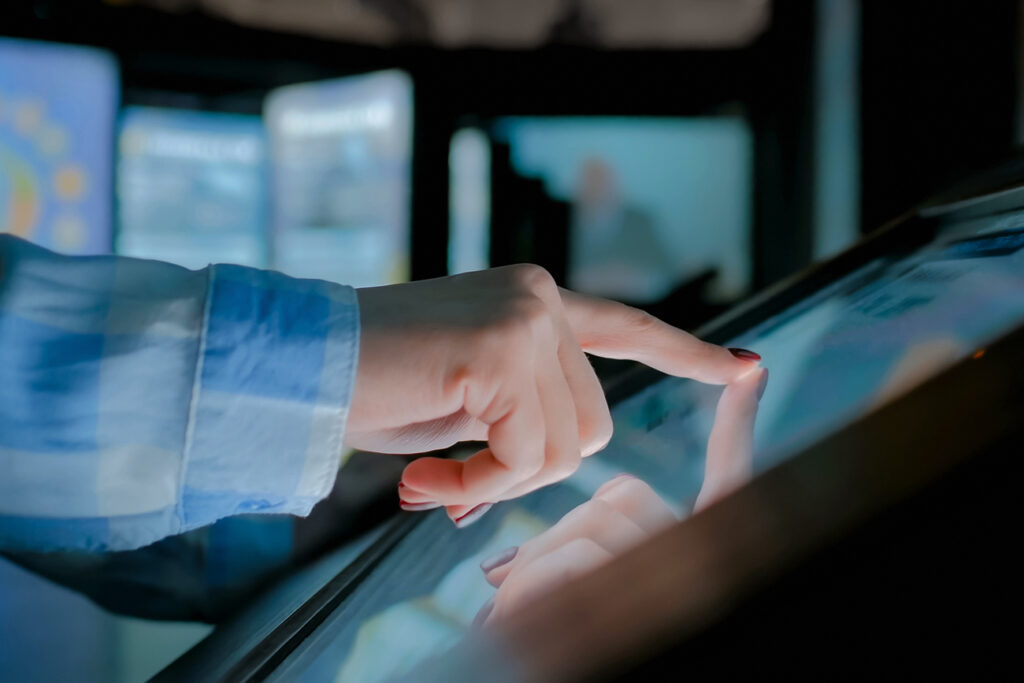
[623,512]
[499,356]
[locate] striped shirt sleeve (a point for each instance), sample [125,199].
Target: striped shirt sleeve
[139,399]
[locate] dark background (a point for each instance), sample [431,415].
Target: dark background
[938,88]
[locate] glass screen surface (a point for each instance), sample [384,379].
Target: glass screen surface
[834,356]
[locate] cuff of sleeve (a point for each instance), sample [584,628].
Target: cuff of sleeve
[273,384]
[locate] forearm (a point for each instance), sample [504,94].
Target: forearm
[139,399]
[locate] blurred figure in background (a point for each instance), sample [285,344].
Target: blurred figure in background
[615,250]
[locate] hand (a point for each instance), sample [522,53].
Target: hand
[623,512]
[498,355]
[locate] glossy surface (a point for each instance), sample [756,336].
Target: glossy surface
[853,346]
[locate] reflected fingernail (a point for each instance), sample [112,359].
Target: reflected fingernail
[743,354]
[502,558]
[762,384]
[484,612]
[473,515]
[417,507]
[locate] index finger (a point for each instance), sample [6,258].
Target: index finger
[614,330]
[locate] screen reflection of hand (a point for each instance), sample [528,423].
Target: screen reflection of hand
[623,512]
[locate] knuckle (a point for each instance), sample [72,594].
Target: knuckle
[524,319]
[534,278]
[527,467]
[531,320]
[590,516]
[598,431]
[636,489]
[640,322]
[579,514]
[564,469]
[586,549]
[602,511]
[530,310]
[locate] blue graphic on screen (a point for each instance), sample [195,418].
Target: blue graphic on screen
[57,108]
[342,163]
[191,187]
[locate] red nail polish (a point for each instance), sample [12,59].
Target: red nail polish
[743,354]
[417,507]
[501,559]
[473,515]
[401,485]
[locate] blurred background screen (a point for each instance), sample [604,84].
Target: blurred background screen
[342,154]
[191,187]
[631,208]
[57,109]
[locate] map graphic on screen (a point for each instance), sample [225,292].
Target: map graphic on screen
[57,108]
[342,161]
[191,187]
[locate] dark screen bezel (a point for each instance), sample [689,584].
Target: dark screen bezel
[913,229]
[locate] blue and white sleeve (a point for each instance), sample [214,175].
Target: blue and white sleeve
[139,399]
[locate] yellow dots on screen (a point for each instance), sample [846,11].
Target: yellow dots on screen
[52,140]
[69,232]
[28,115]
[69,182]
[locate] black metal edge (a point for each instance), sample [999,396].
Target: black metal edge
[970,432]
[264,657]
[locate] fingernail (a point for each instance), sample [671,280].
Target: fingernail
[762,384]
[743,354]
[484,612]
[624,475]
[418,507]
[473,515]
[502,558]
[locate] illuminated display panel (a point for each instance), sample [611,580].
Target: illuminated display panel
[838,354]
[469,201]
[342,162]
[191,187]
[655,201]
[57,109]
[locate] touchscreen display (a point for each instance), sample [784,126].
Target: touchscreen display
[836,355]
[342,160]
[191,187]
[57,108]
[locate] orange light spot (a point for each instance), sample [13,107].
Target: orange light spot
[69,182]
[978,354]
